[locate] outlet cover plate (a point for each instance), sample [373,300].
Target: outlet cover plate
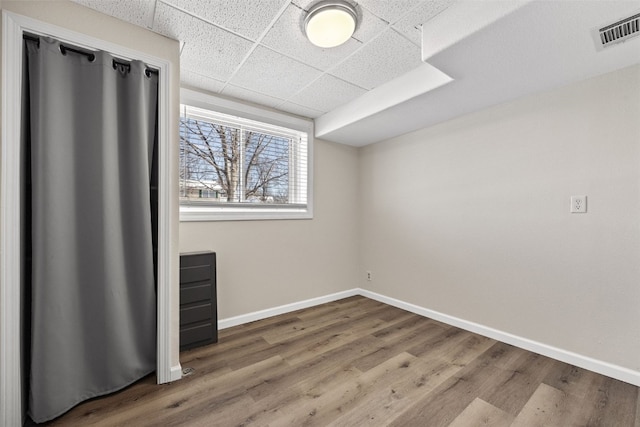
[578,204]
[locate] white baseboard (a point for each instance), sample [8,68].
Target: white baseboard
[176,373]
[599,366]
[287,308]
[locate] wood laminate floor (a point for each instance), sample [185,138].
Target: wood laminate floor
[358,362]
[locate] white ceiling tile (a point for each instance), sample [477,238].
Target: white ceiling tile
[383,59]
[327,93]
[198,81]
[300,110]
[251,96]
[303,4]
[409,26]
[271,73]
[248,18]
[138,12]
[287,36]
[369,26]
[390,11]
[207,49]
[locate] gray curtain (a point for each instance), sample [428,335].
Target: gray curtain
[93,310]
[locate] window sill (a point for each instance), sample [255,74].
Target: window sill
[194,214]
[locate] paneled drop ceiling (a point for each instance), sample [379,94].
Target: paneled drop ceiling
[255,50]
[384,82]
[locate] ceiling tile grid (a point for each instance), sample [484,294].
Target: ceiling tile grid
[245,18]
[385,58]
[274,74]
[208,50]
[410,25]
[256,50]
[138,12]
[300,110]
[251,96]
[327,93]
[369,25]
[195,80]
[389,11]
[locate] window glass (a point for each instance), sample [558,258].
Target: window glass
[234,164]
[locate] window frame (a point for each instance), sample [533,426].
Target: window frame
[235,212]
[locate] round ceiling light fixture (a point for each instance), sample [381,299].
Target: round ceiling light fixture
[330,23]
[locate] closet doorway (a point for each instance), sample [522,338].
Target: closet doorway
[12,216]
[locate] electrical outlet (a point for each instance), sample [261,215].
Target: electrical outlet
[578,204]
[369,276]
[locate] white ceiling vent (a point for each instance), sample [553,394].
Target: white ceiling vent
[617,32]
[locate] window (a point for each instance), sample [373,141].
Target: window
[241,162]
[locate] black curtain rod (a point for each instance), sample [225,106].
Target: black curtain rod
[90,55]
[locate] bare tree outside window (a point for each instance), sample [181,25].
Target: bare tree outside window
[222,162]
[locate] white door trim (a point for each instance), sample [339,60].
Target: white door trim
[13,26]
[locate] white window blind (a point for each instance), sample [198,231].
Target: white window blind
[235,165]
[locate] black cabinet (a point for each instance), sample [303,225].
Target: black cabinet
[198,305]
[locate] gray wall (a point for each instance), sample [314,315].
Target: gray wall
[471,218]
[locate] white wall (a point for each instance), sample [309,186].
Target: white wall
[471,218]
[265,264]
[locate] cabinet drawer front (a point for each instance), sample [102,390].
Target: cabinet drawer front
[198,273]
[196,334]
[195,259]
[196,313]
[196,293]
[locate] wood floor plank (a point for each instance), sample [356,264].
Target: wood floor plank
[598,398]
[637,420]
[337,308]
[321,406]
[317,376]
[204,394]
[440,343]
[281,392]
[303,347]
[546,408]
[319,369]
[480,413]
[335,336]
[304,326]
[514,386]
[405,326]
[463,352]
[358,362]
[250,352]
[395,315]
[446,402]
[571,379]
[384,404]
[212,413]
[320,319]
[272,407]
[389,347]
[254,328]
[613,402]
[606,402]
